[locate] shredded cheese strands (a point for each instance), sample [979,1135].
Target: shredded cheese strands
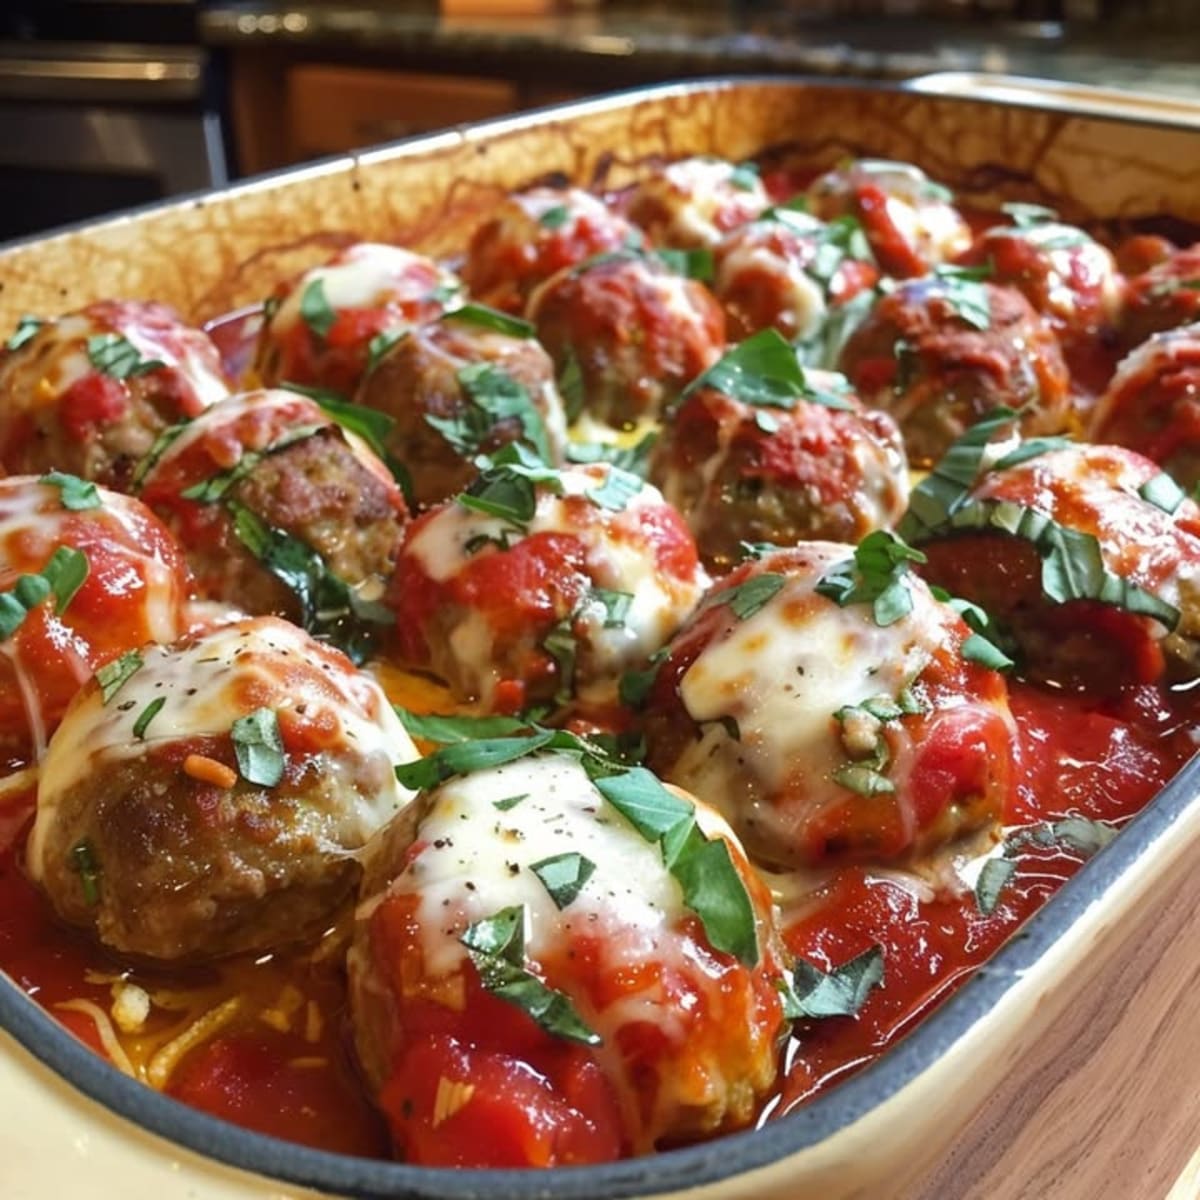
[162,1066]
[104,1027]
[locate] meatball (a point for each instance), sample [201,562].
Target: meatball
[824,729]
[824,468]
[217,800]
[281,512]
[1088,557]
[456,389]
[655,1032]
[1163,297]
[88,393]
[116,579]
[908,219]
[696,201]
[1068,277]
[784,271]
[535,234]
[940,353]
[1152,404]
[325,327]
[630,331]
[518,593]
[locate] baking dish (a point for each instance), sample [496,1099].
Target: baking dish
[1062,1052]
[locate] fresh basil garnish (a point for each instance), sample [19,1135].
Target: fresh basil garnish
[554,218]
[1027,216]
[150,459]
[113,676]
[748,597]
[27,328]
[966,293]
[745,177]
[634,686]
[840,240]
[1163,492]
[563,647]
[563,876]
[616,489]
[83,862]
[61,578]
[77,495]
[147,715]
[481,754]
[571,385]
[635,458]
[493,396]
[496,946]
[258,747]
[315,310]
[215,488]
[996,875]
[448,730]
[117,357]
[487,317]
[509,802]
[815,994]
[696,263]
[876,575]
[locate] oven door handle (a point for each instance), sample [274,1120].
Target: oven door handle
[144,77]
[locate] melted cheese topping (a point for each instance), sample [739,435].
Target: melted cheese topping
[782,674]
[620,558]
[796,292]
[366,275]
[207,684]
[684,202]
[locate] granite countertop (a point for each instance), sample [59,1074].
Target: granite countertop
[617,47]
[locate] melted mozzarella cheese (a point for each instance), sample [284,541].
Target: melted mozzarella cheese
[781,675]
[692,194]
[366,275]
[205,684]
[798,294]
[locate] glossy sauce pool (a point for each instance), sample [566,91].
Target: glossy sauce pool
[263,1042]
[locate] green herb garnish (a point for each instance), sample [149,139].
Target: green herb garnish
[83,862]
[147,715]
[61,578]
[117,357]
[114,675]
[77,495]
[315,310]
[564,875]
[258,747]
[815,994]
[876,575]
[27,327]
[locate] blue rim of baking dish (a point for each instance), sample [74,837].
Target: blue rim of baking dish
[677,1170]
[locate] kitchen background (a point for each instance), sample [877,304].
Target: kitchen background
[110,103]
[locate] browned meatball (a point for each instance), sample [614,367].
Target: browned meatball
[742,473]
[941,352]
[1164,297]
[89,392]
[280,512]
[455,389]
[217,800]
[628,333]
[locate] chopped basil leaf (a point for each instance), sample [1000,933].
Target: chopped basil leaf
[635,459]
[704,869]
[259,747]
[329,608]
[563,647]
[966,293]
[615,604]
[823,348]
[766,421]
[76,494]
[27,327]
[510,801]
[1031,448]
[863,780]
[571,385]
[491,318]
[993,879]
[554,218]
[692,264]
[496,946]
[616,489]
[379,345]
[563,876]
[753,551]
[83,863]
[744,177]
[493,396]
[1081,835]
[978,649]
[841,239]
[1026,216]
[466,757]
[315,309]
[506,487]
[635,686]
[114,675]
[876,575]
[764,370]
[61,577]
[117,357]
[447,730]
[147,715]
[214,489]
[150,459]
[1163,492]
[841,992]
[747,598]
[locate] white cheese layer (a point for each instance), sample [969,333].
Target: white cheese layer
[210,682]
[798,294]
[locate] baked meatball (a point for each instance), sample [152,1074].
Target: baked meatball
[456,389]
[655,1034]
[941,352]
[785,270]
[823,468]
[535,234]
[217,799]
[516,593]
[1068,277]
[116,579]
[1163,297]
[696,201]
[1152,404]
[909,220]
[825,730]
[325,327]
[1087,557]
[281,512]
[88,393]
[628,333]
